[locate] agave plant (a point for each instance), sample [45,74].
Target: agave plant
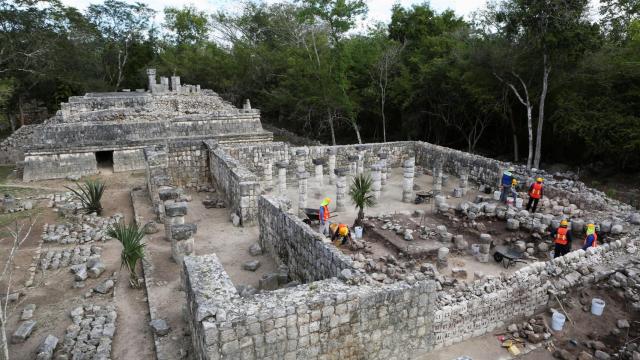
[89,194]
[361,193]
[132,247]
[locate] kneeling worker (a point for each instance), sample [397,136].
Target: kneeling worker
[562,239]
[592,237]
[340,232]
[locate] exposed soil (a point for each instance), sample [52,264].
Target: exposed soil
[53,291]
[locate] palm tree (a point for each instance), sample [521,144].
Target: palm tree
[132,247]
[361,193]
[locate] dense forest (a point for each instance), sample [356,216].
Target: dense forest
[536,81]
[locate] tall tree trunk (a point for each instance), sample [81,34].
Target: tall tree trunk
[384,120]
[543,96]
[357,129]
[530,135]
[514,134]
[21,111]
[333,131]
[4,345]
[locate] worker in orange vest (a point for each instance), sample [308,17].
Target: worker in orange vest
[562,239]
[324,216]
[536,190]
[591,240]
[341,232]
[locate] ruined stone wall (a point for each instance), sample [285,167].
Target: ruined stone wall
[189,164]
[326,319]
[12,148]
[252,156]
[308,255]
[489,171]
[239,186]
[498,302]
[45,166]
[128,160]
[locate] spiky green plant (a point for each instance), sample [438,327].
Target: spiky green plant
[89,193]
[130,236]
[361,193]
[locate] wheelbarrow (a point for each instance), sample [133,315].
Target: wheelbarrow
[423,197]
[507,256]
[312,216]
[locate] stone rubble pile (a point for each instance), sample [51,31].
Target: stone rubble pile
[55,259]
[85,229]
[535,330]
[10,204]
[91,334]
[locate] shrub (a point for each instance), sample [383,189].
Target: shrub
[130,236]
[89,194]
[361,193]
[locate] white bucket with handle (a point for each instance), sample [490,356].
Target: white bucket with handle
[597,306]
[358,230]
[557,321]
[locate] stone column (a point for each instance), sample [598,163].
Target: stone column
[383,163]
[175,84]
[151,74]
[464,181]
[409,170]
[376,176]
[246,107]
[361,149]
[282,178]
[437,178]
[302,192]
[179,233]
[300,157]
[164,81]
[267,173]
[319,176]
[332,165]
[168,196]
[353,164]
[341,188]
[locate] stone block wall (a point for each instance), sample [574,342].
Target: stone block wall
[128,160]
[496,303]
[252,156]
[189,164]
[240,186]
[308,255]
[46,166]
[327,319]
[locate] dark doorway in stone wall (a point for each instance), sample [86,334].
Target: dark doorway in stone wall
[105,159]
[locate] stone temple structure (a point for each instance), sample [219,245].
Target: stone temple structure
[111,129]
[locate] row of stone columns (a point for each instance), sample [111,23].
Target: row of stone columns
[408,175]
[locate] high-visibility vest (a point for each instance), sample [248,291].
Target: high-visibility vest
[536,190]
[561,236]
[595,240]
[325,214]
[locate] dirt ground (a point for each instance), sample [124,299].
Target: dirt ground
[53,291]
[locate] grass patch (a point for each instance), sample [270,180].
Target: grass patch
[21,192]
[9,219]
[5,171]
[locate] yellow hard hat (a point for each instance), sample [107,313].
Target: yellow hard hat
[325,202]
[564,223]
[591,229]
[539,180]
[343,230]
[514,182]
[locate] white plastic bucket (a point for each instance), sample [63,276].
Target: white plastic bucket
[557,321]
[510,201]
[496,195]
[475,249]
[519,202]
[358,230]
[597,306]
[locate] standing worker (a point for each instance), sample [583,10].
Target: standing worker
[592,237]
[562,239]
[514,189]
[507,180]
[536,190]
[324,217]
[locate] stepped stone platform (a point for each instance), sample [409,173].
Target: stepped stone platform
[111,129]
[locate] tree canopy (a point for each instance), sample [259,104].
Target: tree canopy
[533,81]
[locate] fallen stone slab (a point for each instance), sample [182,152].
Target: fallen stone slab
[268,282]
[160,327]
[251,265]
[46,349]
[27,312]
[105,286]
[255,250]
[23,331]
